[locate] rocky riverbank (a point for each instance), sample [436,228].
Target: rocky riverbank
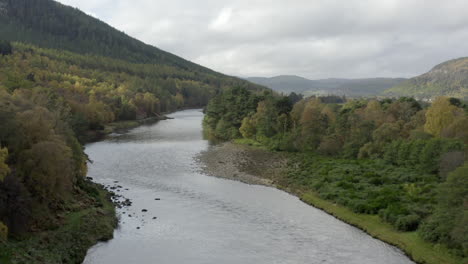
[243,163]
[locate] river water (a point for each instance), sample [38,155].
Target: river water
[206,220]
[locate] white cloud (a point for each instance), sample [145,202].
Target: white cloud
[223,19]
[312,38]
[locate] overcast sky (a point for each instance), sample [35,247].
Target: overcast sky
[310,38]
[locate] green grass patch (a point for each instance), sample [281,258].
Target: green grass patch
[120,125]
[249,142]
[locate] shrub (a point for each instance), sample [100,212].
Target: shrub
[408,222]
[3,231]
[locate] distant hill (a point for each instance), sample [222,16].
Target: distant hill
[349,87]
[448,79]
[285,83]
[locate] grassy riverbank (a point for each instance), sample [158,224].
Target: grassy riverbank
[410,242]
[90,219]
[248,161]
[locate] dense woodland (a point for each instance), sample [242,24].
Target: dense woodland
[51,99]
[397,158]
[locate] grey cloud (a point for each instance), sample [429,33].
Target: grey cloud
[312,38]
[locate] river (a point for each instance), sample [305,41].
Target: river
[194,218]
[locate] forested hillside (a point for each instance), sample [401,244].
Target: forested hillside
[446,79]
[49,24]
[50,99]
[400,159]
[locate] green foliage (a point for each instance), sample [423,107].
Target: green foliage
[247,128]
[88,220]
[401,196]
[226,111]
[98,90]
[392,167]
[45,155]
[4,169]
[3,232]
[448,224]
[265,119]
[424,154]
[51,99]
[440,115]
[5,48]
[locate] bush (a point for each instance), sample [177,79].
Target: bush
[3,231]
[448,224]
[5,47]
[408,222]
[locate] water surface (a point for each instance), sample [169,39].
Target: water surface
[207,220]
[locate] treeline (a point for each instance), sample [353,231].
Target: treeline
[99,90]
[51,99]
[397,158]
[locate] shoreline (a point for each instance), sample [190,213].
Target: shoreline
[120,127]
[89,220]
[225,161]
[124,126]
[253,165]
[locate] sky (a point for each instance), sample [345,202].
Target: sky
[315,39]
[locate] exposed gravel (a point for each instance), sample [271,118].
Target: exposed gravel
[243,163]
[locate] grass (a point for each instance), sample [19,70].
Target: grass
[410,242]
[249,142]
[81,229]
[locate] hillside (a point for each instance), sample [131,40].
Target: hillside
[349,87]
[50,24]
[285,83]
[446,79]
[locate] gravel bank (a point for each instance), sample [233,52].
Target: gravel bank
[243,163]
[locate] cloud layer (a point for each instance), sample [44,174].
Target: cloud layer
[311,38]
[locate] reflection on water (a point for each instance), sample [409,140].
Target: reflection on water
[202,219]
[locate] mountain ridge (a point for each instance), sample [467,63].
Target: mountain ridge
[449,78]
[336,86]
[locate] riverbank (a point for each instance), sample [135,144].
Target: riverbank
[120,127]
[89,219]
[254,165]
[244,164]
